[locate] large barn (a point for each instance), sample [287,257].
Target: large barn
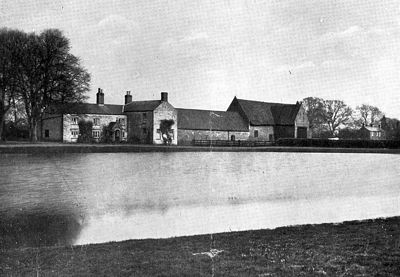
[158,122]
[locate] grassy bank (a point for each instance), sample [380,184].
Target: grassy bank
[48,147]
[366,248]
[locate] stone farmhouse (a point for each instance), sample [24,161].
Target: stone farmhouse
[372,132]
[158,122]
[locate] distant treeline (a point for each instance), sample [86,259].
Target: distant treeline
[334,118]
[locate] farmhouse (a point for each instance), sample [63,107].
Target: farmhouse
[158,122]
[61,122]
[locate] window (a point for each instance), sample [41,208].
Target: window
[233,138]
[256,133]
[96,121]
[46,133]
[159,134]
[121,121]
[96,134]
[144,116]
[74,133]
[75,120]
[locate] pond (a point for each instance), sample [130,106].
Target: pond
[89,198]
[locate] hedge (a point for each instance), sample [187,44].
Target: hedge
[339,143]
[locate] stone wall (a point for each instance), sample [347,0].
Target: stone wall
[302,121]
[165,111]
[265,133]
[70,126]
[140,126]
[53,126]
[185,136]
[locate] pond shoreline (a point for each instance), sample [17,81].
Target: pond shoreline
[36,148]
[368,248]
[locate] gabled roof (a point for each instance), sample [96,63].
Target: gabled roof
[264,113]
[142,106]
[211,120]
[85,108]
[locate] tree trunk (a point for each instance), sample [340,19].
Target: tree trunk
[1,126]
[33,129]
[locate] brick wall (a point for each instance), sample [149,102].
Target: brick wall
[185,136]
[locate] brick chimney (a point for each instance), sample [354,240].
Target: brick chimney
[100,97]
[164,96]
[128,97]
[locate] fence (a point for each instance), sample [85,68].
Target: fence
[231,143]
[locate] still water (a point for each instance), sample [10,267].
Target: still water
[110,197]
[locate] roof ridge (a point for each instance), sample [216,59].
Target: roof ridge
[201,110]
[257,101]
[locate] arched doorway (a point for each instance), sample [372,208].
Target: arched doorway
[117,135]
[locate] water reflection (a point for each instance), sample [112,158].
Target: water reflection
[138,195]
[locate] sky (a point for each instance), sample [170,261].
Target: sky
[203,53]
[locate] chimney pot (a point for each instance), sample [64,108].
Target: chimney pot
[128,97]
[100,97]
[164,96]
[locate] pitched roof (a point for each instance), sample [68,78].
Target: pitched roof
[142,106]
[211,120]
[85,108]
[373,128]
[264,113]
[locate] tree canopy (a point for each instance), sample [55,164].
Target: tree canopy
[44,72]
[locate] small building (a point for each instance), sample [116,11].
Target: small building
[61,122]
[271,121]
[210,125]
[372,133]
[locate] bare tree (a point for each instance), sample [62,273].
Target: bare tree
[368,114]
[336,114]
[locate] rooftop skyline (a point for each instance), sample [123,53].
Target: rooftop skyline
[205,53]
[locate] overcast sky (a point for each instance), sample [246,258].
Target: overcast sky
[206,52]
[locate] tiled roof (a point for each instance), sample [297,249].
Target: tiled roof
[142,106]
[211,120]
[264,113]
[85,108]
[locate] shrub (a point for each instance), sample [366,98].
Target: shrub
[85,131]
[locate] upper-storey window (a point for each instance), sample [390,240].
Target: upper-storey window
[75,120]
[96,121]
[121,121]
[256,133]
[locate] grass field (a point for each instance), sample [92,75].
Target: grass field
[364,248]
